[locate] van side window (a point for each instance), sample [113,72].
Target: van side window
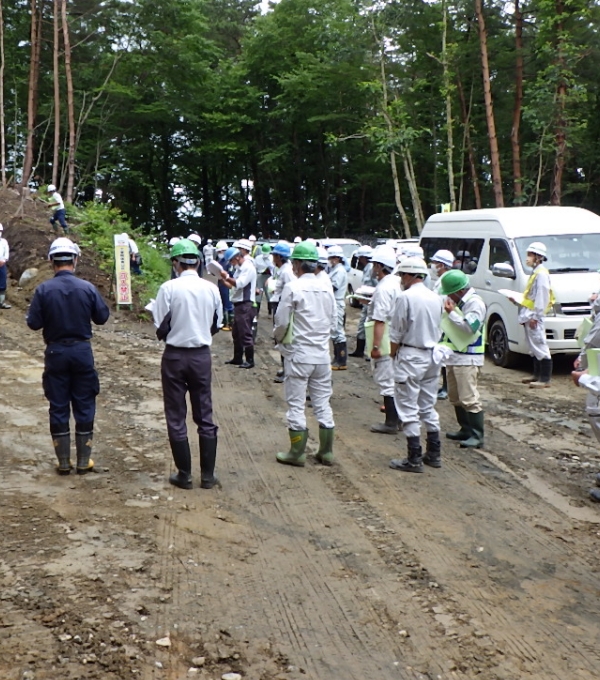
[467,251]
[500,253]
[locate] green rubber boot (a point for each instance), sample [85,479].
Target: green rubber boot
[475,441]
[325,453]
[296,455]
[463,421]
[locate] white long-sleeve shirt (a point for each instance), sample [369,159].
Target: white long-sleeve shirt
[339,281]
[4,250]
[540,294]
[310,299]
[383,302]
[245,281]
[195,307]
[284,275]
[416,318]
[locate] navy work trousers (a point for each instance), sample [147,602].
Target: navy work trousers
[2,278]
[187,369]
[241,331]
[70,379]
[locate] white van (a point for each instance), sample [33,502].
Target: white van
[490,246]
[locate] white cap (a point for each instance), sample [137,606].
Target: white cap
[412,265]
[444,257]
[538,248]
[384,255]
[244,243]
[173,241]
[335,251]
[364,251]
[195,238]
[51,188]
[209,240]
[63,249]
[323,256]
[252,238]
[297,239]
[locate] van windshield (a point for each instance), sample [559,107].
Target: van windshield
[567,252]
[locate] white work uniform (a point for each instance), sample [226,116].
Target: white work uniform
[415,328]
[464,367]
[307,361]
[245,282]
[196,306]
[536,337]
[381,308]
[324,276]
[57,198]
[284,275]
[368,279]
[4,249]
[339,281]
[208,251]
[591,383]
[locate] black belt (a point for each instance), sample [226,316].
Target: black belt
[68,343]
[425,349]
[186,349]
[243,302]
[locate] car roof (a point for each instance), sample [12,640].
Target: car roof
[338,241]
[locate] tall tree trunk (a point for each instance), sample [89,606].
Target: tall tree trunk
[2,127]
[560,130]
[447,95]
[55,53]
[32,92]
[489,107]
[409,172]
[70,105]
[514,132]
[466,116]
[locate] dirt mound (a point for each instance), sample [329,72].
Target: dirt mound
[29,235]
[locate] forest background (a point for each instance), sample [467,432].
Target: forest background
[328,117]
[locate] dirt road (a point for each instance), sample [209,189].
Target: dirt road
[487,568]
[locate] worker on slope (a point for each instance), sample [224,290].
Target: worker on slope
[308,305]
[243,294]
[414,334]
[380,311]
[363,255]
[441,262]
[538,300]
[187,313]
[4,255]
[59,214]
[64,308]
[339,281]
[466,311]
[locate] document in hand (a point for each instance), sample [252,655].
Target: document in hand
[214,268]
[458,337]
[512,295]
[289,334]
[384,347]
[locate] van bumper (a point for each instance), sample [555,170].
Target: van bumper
[560,334]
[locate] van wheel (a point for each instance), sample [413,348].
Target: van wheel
[353,303]
[498,346]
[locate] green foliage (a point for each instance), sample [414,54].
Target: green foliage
[97,224]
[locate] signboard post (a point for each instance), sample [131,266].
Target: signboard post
[123,275]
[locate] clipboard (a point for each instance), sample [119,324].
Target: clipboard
[288,338]
[214,268]
[458,337]
[584,328]
[385,347]
[593,359]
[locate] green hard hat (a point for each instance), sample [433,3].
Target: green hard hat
[453,281]
[266,248]
[185,247]
[305,251]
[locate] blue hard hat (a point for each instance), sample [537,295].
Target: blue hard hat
[229,253]
[282,249]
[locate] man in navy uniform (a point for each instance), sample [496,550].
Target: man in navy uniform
[64,308]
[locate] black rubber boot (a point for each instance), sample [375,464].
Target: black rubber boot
[545,375]
[536,373]
[475,441]
[84,435]
[61,440]
[208,457]
[360,348]
[342,354]
[465,430]
[391,419]
[443,391]
[336,357]
[238,356]
[433,454]
[249,363]
[183,462]
[414,460]
[280,373]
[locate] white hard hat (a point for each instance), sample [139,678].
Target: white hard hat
[444,257]
[195,238]
[244,243]
[335,251]
[252,238]
[51,188]
[538,248]
[364,251]
[412,265]
[297,239]
[63,249]
[414,250]
[173,241]
[1,227]
[209,240]
[384,255]
[322,255]
[221,245]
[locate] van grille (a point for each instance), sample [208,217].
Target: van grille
[575,308]
[570,333]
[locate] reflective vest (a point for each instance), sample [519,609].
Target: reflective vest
[530,304]
[476,347]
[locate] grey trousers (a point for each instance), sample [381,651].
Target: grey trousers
[186,370]
[317,379]
[241,331]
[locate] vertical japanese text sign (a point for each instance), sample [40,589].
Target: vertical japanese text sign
[122,269]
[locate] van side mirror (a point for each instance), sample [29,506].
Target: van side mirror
[504,270]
